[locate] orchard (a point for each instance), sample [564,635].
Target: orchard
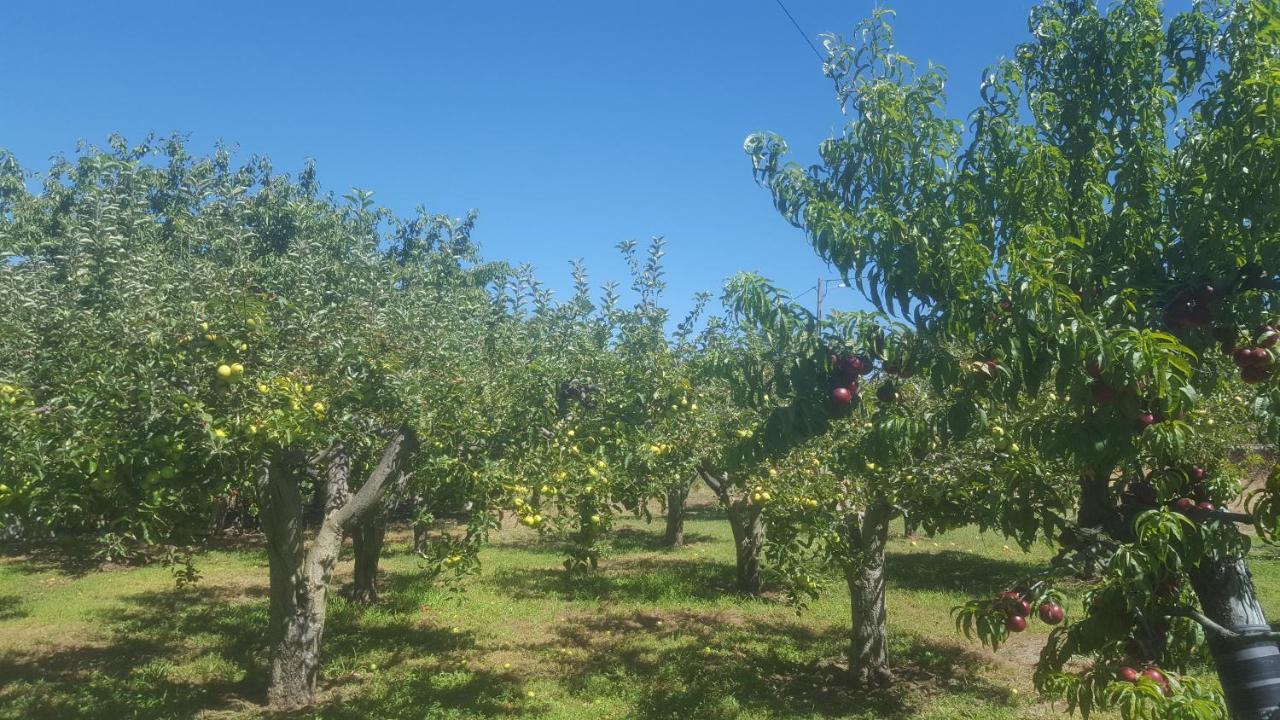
[1041,455]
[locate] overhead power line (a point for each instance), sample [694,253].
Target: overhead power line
[800,30]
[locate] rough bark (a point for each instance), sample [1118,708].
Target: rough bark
[748,533]
[868,639]
[1249,668]
[299,576]
[1099,510]
[419,537]
[676,498]
[299,579]
[1097,506]
[367,540]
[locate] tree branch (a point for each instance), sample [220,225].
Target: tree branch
[715,483]
[1198,514]
[394,457]
[1214,628]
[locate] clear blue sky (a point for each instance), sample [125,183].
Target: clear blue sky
[569,125]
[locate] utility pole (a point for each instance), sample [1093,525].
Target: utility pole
[822,292]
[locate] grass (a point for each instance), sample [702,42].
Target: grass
[657,634]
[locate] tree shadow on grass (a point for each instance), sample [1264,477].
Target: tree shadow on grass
[179,653]
[163,655]
[685,664]
[11,608]
[620,541]
[422,692]
[631,580]
[68,557]
[628,540]
[954,571]
[713,511]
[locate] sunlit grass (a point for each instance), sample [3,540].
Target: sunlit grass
[658,634]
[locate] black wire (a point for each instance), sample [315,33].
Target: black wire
[800,30]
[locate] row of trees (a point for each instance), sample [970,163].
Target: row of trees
[185,335]
[1073,299]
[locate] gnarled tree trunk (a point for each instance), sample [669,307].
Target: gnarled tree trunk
[299,575]
[676,498]
[908,526]
[367,540]
[868,639]
[748,532]
[1249,668]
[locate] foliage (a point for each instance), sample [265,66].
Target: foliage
[1084,234]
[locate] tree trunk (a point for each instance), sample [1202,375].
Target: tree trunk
[1249,669]
[366,541]
[868,640]
[299,586]
[1098,510]
[218,512]
[676,498]
[748,537]
[300,576]
[419,537]
[748,533]
[1097,507]
[908,526]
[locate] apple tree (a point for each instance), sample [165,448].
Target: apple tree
[187,329]
[607,391]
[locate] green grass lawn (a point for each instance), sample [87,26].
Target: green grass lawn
[658,634]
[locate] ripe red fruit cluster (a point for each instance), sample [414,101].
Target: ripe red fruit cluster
[1185,505]
[1103,394]
[1255,362]
[1016,610]
[1051,613]
[1190,309]
[1130,675]
[845,370]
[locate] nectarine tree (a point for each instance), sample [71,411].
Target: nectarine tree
[1104,229]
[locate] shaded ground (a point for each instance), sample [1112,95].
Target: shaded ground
[657,634]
